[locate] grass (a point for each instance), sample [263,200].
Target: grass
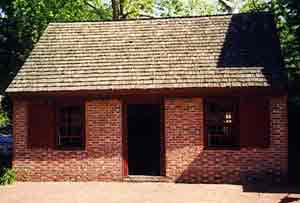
[7,175]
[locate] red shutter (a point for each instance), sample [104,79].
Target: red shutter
[41,125]
[254,122]
[124,139]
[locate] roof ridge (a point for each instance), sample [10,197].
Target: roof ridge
[165,18]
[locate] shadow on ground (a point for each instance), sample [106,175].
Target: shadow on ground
[267,188]
[288,199]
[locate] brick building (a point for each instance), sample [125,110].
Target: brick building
[195,99]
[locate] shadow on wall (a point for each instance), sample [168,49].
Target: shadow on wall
[247,167]
[251,41]
[234,167]
[211,166]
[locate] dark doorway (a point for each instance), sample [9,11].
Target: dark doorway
[294,140]
[143,122]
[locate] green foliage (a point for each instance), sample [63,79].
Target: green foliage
[24,21]
[170,8]
[229,6]
[136,8]
[7,176]
[185,8]
[198,7]
[4,119]
[13,51]
[33,16]
[253,5]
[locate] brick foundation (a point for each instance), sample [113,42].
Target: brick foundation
[186,160]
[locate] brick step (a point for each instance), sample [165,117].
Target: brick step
[142,178]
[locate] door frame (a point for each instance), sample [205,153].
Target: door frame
[142,100]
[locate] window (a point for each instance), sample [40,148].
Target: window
[221,123]
[70,127]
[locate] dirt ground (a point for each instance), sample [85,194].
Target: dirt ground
[114,192]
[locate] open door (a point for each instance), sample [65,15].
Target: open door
[144,139]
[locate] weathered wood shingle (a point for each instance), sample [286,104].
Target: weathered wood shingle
[217,51]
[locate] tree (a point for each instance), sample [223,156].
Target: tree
[33,16]
[253,6]
[198,7]
[170,8]
[230,6]
[185,7]
[124,9]
[23,22]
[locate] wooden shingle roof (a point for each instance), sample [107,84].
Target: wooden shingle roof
[213,51]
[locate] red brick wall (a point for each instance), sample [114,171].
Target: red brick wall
[185,157]
[101,160]
[188,161]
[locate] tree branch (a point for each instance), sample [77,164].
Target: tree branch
[227,3]
[93,7]
[115,4]
[124,16]
[254,5]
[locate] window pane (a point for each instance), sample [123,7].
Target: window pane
[71,127]
[220,122]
